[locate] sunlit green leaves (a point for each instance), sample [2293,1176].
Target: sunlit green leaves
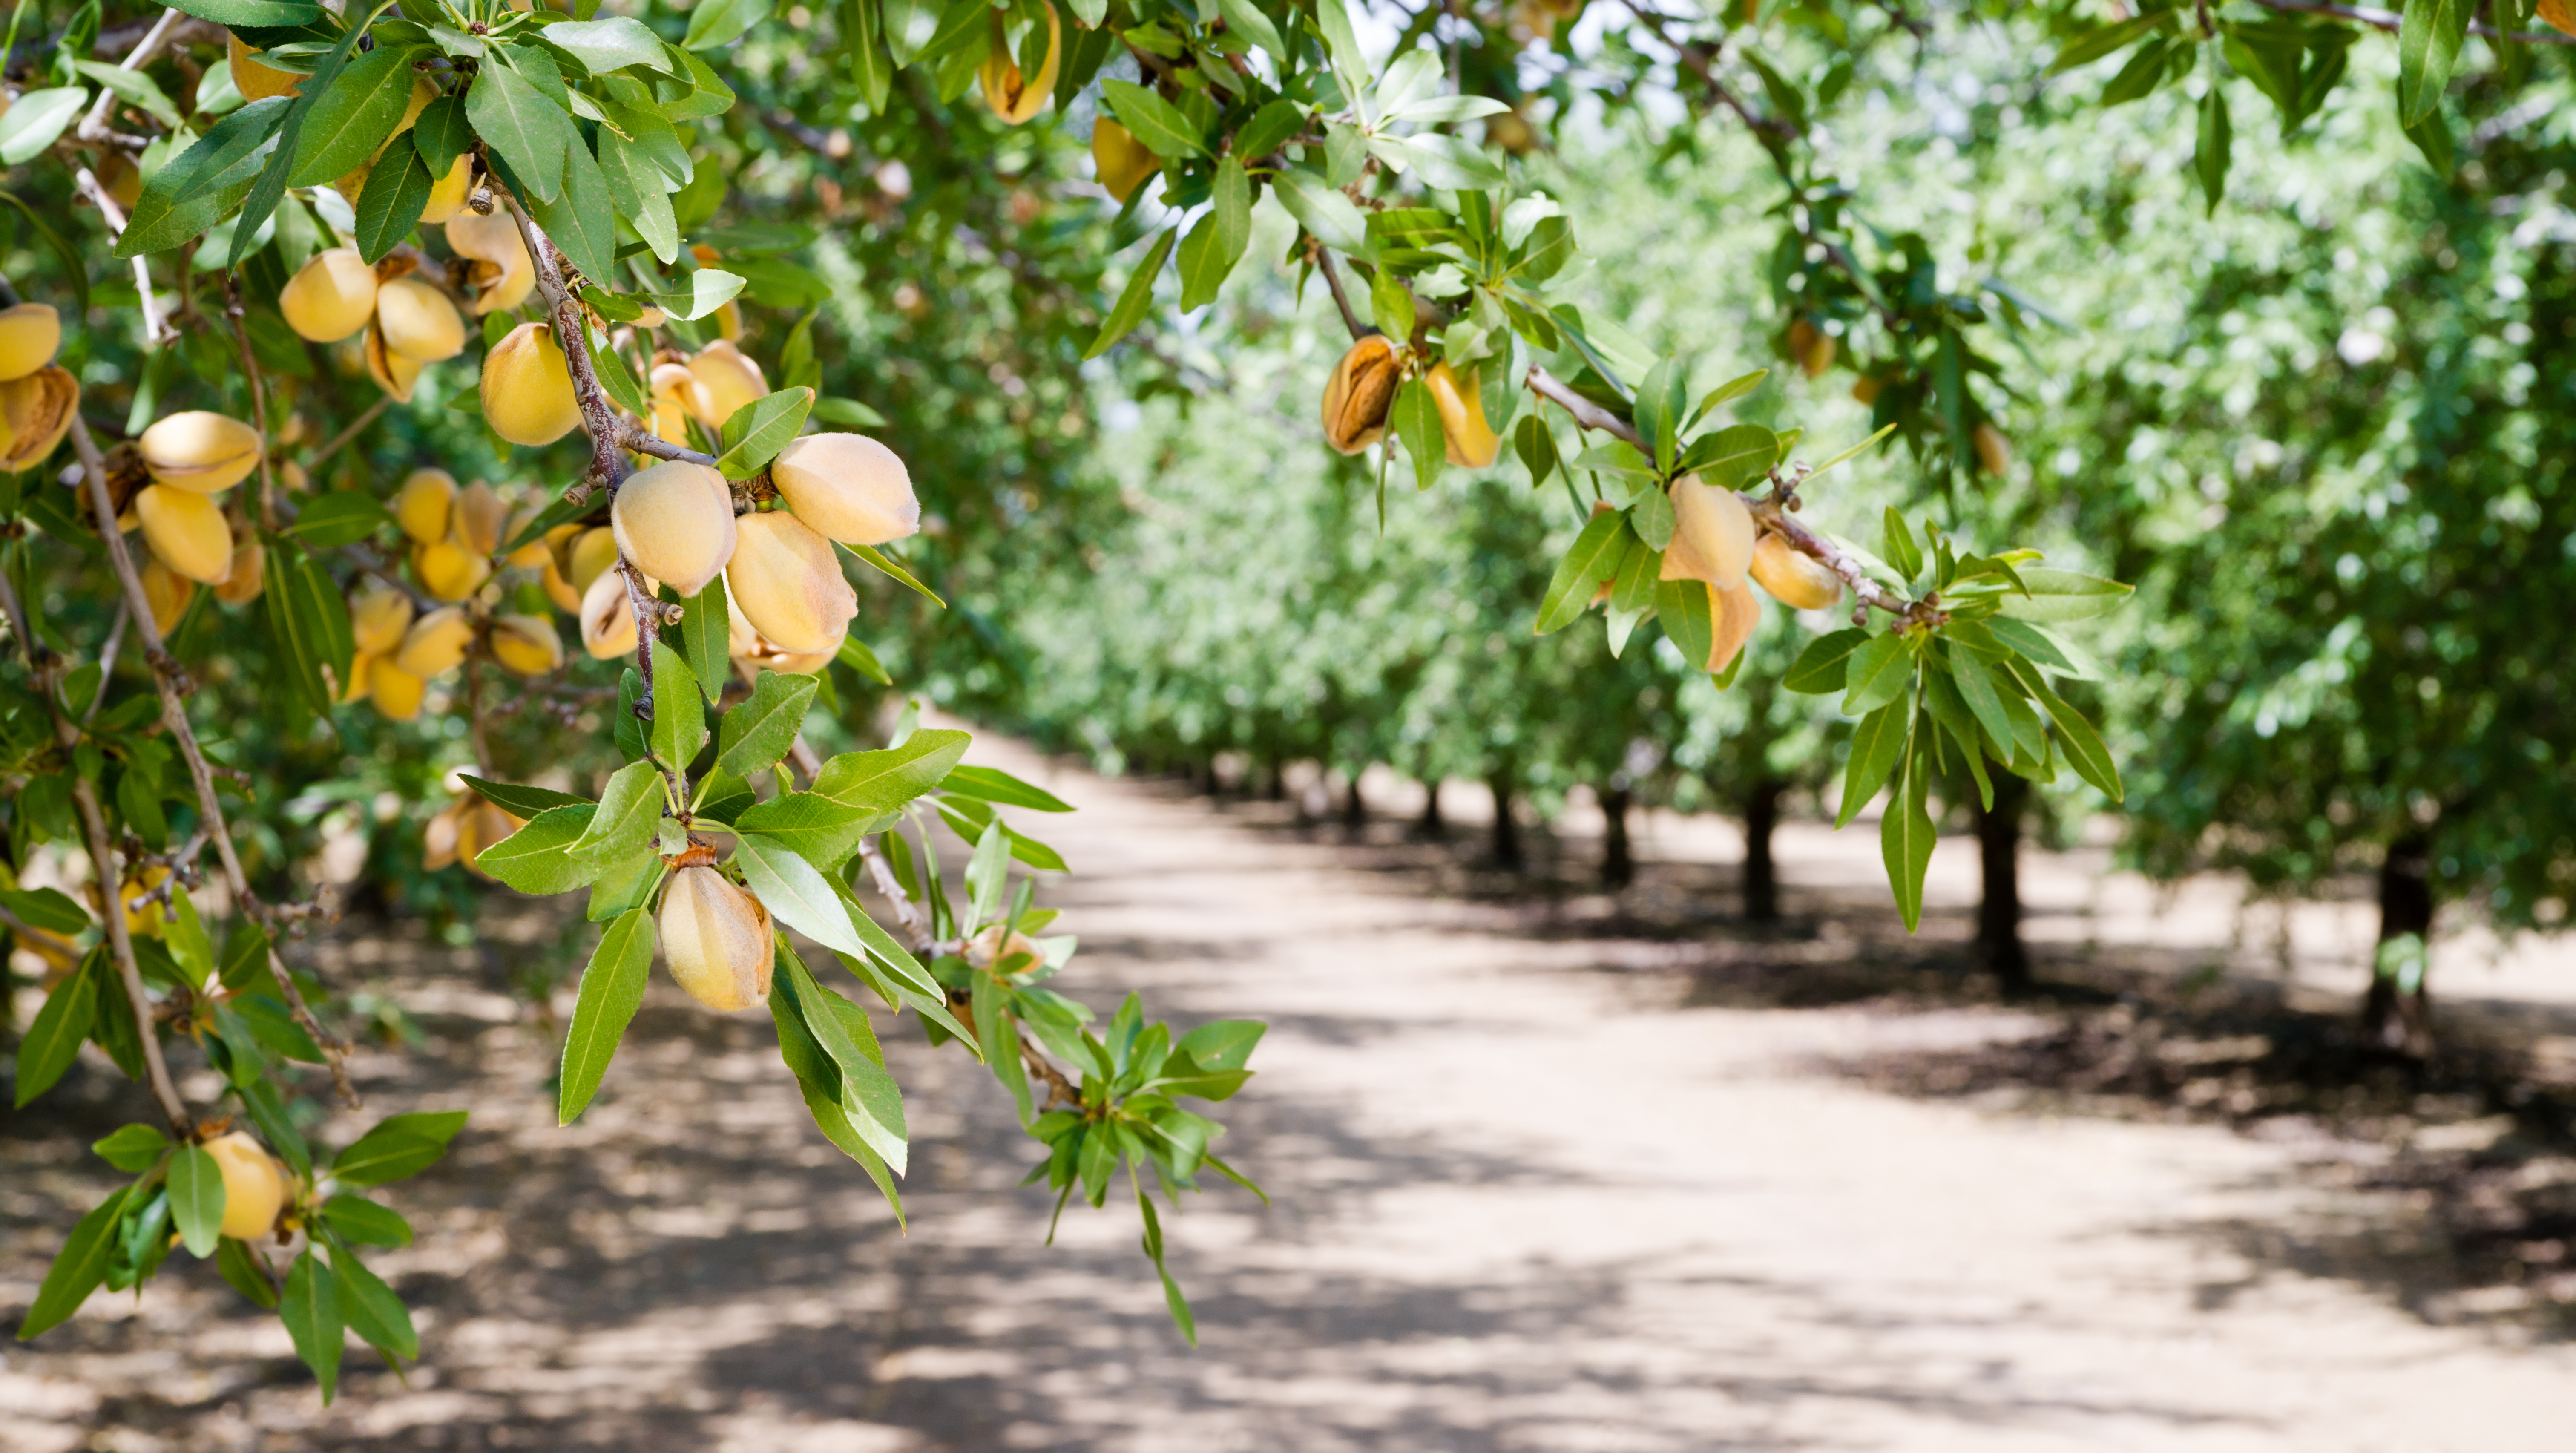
[612,987]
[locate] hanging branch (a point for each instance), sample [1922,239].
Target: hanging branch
[258,398]
[45,670]
[599,419]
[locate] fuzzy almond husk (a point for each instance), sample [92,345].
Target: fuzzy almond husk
[449,571]
[331,297]
[847,487]
[247,576]
[527,645]
[397,693]
[418,321]
[186,532]
[503,273]
[607,617]
[435,644]
[717,940]
[167,592]
[1472,444]
[200,451]
[721,381]
[787,583]
[1119,161]
[527,389]
[30,335]
[423,504]
[1015,97]
[257,82]
[476,522]
[254,1186]
[378,618]
[675,521]
[1794,578]
[1712,535]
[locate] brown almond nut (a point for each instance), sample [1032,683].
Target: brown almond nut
[1359,393]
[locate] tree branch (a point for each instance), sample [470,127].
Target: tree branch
[2390,20]
[1341,300]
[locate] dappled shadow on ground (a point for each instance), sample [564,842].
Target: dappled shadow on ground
[2468,1157]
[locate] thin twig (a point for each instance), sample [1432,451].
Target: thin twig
[107,661]
[258,400]
[339,441]
[1341,300]
[153,328]
[94,125]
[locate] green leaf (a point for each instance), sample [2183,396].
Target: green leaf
[757,734]
[854,653]
[1173,1301]
[1898,545]
[2084,749]
[54,1040]
[205,182]
[366,1223]
[1535,443]
[713,23]
[1216,244]
[2057,596]
[820,830]
[1223,1044]
[1824,667]
[2107,40]
[2429,36]
[1321,209]
[441,135]
[197,1198]
[527,128]
[133,1149]
[37,120]
[538,858]
[1877,743]
[883,781]
[865,1088]
[390,203]
[1152,120]
[311,1311]
[612,986]
[623,883]
[1977,689]
[795,892]
[614,42]
[2209,151]
[679,712]
[871,69]
[1391,305]
[1136,299]
[1878,671]
[1415,419]
[522,801]
[1905,836]
[992,784]
[350,120]
[270,186]
[248,1274]
[342,517]
[761,428]
[78,1268]
[135,89]
[278,14]
[706,631]
[631,806]
[371,1309]
[1592,560]
[383,1155]
[1689,615]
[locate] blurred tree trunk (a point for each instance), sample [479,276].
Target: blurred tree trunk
[1999,948]
[1761,870]
[1431,827]
[1618,865]
[1277,786]
[1354,806]
[1507,833]
[2395,1015]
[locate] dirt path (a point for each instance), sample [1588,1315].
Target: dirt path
[1521,1202]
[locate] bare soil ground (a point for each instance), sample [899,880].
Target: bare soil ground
[1550,1170]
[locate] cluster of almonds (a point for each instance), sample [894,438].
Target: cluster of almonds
[1716,541]
[462,830]
[192,459]
[410,322]
[398,655]
[1362,390]
[37,399]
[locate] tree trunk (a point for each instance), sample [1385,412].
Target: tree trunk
[1618,864]
[1354,806]
[1507,833]
[1431,826]
[1999,948]
[2395,1015]
[1277,788]
[1761,871]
